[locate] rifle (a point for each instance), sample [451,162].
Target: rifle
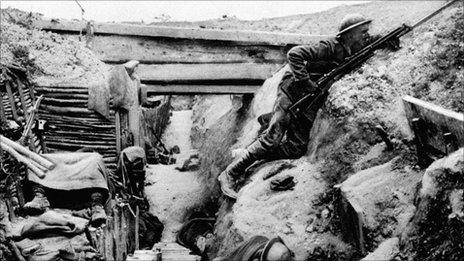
[306,105]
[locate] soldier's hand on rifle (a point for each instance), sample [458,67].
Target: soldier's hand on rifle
[312,86]
[393,44]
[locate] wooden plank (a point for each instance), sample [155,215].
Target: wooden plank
[147,89]
[22,97]
[117,233]
[11,100]
[70,91]
[62,85]
[205,72]
[436,122]
[270,38]
[72,147]
[74,111]
[81,141]
[120,49]
[31,92]
[95,118]
[74,120]
[2,110]
[63,95]
[118,131]
[89,127]
[110,159]
[351,219]
[137,216]
[86,134]
[65,102]
[126,135]
[108,239]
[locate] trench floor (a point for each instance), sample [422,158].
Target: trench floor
[172,193]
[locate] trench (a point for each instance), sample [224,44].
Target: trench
[173,193]
[204,131]
[180,191]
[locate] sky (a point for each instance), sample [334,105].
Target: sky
[155,11]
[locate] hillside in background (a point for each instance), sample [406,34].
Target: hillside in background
[385,14]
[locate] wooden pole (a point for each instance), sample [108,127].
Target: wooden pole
[137,217]
[16,251]
[32,155]
[24,160]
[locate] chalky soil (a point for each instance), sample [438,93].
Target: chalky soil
[172,193]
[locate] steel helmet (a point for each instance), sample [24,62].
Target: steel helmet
[351,21]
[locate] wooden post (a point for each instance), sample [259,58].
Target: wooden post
[2,109]
[118,133]
[12,102]
[109,240]
[21,97]
[351,219]
[117,232]
[137,216]
[437,131]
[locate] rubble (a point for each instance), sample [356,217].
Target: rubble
[387,250]
[436,229]
[384,197]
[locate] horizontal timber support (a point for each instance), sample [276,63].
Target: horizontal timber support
[436,129]
[206,72]
[115,49]
[147,90]
[262,37]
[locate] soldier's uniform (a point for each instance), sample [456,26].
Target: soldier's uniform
[287,135]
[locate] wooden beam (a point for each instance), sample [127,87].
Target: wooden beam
[351,218]
[147,90]
[440,128]
[120,49]
[205,72]
[269,38]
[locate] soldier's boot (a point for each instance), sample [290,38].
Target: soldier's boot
[98,212]
[39,203]
[227,183]
[236,170]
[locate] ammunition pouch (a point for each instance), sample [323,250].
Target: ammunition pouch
[296,90]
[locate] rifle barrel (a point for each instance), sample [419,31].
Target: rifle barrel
[358,58]
[425,19]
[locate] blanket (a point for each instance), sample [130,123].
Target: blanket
[74,171]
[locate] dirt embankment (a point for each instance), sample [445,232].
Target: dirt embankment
[344,142]
[50,57]
[385,15]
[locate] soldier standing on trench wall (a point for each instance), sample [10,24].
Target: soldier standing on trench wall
[288,136]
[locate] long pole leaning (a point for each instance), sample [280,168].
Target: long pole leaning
[29,163]
[32,155]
